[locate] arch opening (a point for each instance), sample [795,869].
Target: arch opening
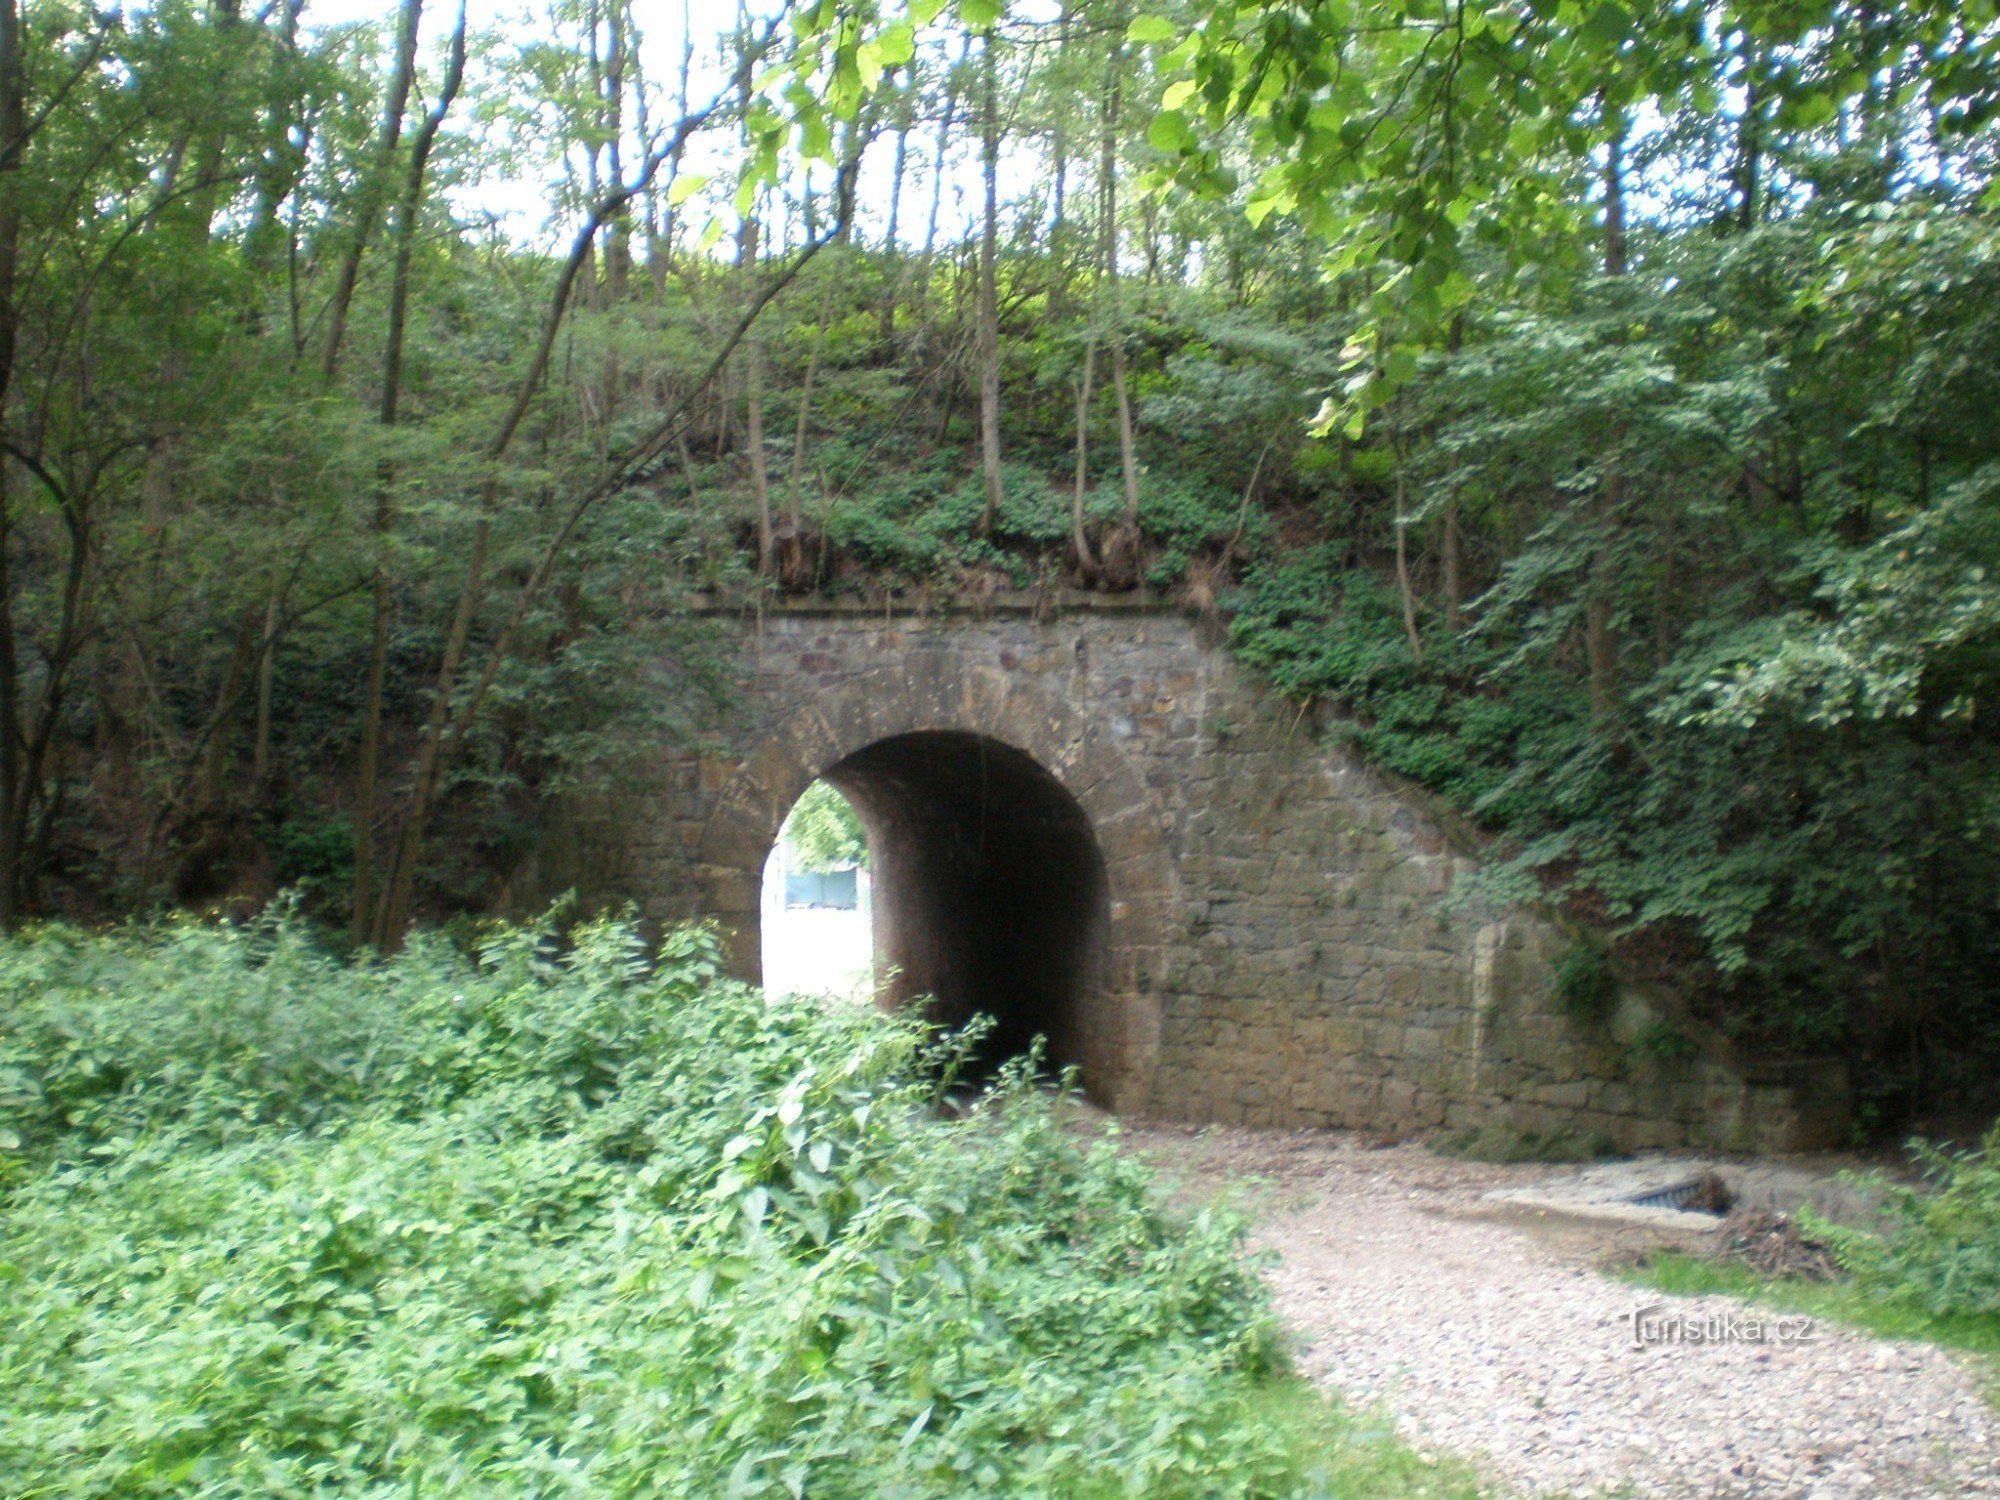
[990,894]
[816,902]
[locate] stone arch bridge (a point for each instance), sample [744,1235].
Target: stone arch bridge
[1087,821]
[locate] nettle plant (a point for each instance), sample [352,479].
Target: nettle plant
[573,1217]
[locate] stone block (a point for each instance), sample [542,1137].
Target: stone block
[1564,1096]
[1399,1102]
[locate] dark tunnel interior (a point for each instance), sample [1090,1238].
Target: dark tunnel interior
[990,892]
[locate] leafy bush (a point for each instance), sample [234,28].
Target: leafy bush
[1184,514]
[314,851]
[207,1032]
[920,520]
[1941,1251]
[575,1222]
[1584,983]
[883,541]
[1031,509]
[1663,1041]
[1320,630]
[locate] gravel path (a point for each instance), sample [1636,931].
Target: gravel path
[1497,1339]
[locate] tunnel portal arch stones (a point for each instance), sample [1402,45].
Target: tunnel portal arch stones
[1277,947]
[935,693]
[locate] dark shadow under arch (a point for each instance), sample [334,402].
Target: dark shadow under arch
[991,896]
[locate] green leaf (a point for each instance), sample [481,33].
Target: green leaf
[815,137]
[1608,26]
[1169,131]
[897,44]
[1810,111]
[868,65]
[1148,30]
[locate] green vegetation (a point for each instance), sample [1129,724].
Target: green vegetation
[1842,1302]
[1585,984]
[1930,1270]
[1591,403]
[822,831]
[561,1220]
[1765,789]
[1940,1251]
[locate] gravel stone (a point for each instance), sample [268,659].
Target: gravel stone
[1490,1333]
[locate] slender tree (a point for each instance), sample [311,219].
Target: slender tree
[1128,457]
[403,233]
[367,211]
[1599,637]
[987,314]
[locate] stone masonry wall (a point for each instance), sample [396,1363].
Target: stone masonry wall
[1282,953]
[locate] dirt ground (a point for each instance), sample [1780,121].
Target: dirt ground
[1498,1335]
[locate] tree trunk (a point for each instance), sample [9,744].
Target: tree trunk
[1059,142]
[988,313]
[260,748]
[753,400]
[1454,567]
[933,362]
[892,261]
[368,779]
[1600,645]
[1127,441]
[1404,588]
[392,911]
[795,516]
[1086,561]
[404,227]
[1128,446]
[12,772]
[287,142]
[371,192]
[27,731]
[946,124]
[618,232]
[1600,641]
[618,228]
[1663,595]
[659,254]
[1614,205]
[1748,169]
[208,794]
[13,144]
